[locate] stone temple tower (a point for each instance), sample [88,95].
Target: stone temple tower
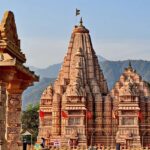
[131,99]
[73,106]
[79,109]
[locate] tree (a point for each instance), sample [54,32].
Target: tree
[149,84]
[30,120]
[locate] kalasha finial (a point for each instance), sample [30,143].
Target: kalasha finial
[130,65]
[81,22]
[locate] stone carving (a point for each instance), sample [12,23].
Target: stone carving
[13,145]
[74,133]
[13,119]
[14,101]
[128,91]
[7,26]
[14,79]
[13,136]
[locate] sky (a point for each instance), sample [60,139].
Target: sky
[120,29]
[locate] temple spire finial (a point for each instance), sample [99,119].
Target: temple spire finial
[81,22]
[130,65]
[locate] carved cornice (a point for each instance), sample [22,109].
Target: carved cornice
[13,50]
[14,66]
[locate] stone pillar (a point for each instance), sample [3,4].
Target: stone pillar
[56,116]
[2,115]
[13,120]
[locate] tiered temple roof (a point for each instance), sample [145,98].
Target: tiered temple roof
[81,88]
[131,83]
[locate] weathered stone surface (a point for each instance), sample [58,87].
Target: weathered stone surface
[13,122]
[2,114]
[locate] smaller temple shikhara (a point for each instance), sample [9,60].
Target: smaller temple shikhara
[14,79]
[79,110]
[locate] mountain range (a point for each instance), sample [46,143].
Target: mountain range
[111,69]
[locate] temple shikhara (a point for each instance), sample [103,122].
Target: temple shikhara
[14,79]
[79,110]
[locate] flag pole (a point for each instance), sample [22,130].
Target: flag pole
[77,14]
[76,18]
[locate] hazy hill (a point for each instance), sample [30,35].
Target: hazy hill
[111,69]
[33,93]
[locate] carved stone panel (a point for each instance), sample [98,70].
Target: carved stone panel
[13,126]
[2,114]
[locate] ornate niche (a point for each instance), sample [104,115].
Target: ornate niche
[129,118]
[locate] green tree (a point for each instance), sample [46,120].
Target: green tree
[149,84]
[30,120]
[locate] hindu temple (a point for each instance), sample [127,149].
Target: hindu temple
[80,110]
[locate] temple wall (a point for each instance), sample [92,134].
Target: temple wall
[3,98]
[145,121]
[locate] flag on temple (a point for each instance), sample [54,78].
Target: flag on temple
[115,114]
[64,115]
[89,115]
[41,114]
[140,116]
[77,12]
